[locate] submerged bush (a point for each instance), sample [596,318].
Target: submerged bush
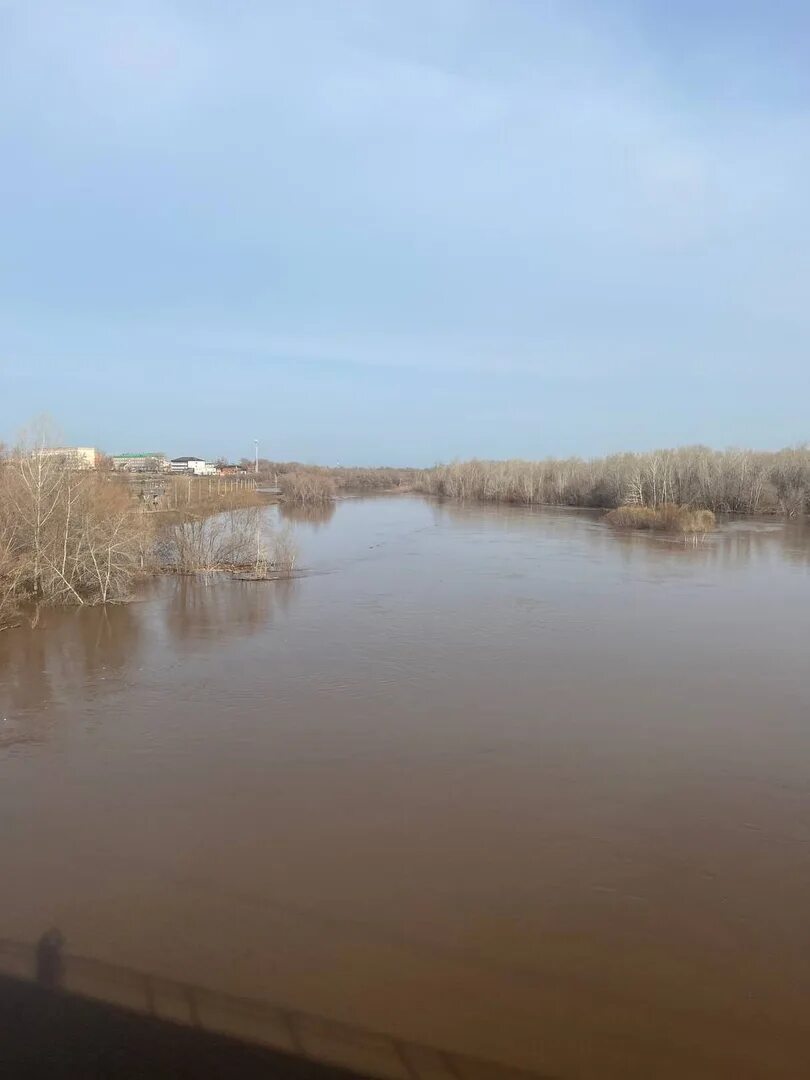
[697,521]
[306,488]
[283,552]
[222,542]
[666,518]
[231,541]
[633,517]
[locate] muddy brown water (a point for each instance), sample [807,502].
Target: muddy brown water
[496,780]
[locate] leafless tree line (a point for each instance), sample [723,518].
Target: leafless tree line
[343,478]
[724,481]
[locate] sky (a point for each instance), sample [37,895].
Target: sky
[405,231]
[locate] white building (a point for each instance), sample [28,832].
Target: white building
[194,465]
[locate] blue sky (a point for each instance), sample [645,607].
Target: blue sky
[402,232]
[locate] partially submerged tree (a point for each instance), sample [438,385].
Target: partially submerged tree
[66,535]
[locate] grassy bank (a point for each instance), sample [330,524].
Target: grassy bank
[197,494]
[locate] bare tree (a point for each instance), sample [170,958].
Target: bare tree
[66,535]
[304,488]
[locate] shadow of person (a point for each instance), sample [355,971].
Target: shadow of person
[50,965]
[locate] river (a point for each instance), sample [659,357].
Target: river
[497,780]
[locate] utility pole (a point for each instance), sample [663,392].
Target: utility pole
[256,444]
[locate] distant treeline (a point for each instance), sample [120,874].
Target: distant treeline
[338,478]
[313,485]
[725,481]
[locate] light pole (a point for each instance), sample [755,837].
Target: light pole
[256,444]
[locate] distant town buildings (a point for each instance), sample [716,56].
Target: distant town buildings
[147,462]
[140,463]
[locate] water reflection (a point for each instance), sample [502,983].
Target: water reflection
[70,651]
[511,518]
[79,653]
[204,607]
[307,515]
[737,541]
[796,541]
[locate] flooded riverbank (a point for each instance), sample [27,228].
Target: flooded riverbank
[492,779]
